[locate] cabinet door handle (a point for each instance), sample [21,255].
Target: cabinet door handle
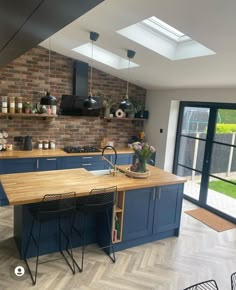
[159,194]
[87,157]
[37,164]
[87,164]
[51,159]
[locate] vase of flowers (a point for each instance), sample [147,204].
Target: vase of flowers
[142,153]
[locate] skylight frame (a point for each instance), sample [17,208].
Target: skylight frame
[158,26]
[104,56]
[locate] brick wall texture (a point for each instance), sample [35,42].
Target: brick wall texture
[28,77]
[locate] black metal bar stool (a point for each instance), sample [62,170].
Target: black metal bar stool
[53,207]
[206,285]
[100,200]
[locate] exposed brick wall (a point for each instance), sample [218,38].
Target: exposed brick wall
[28,76]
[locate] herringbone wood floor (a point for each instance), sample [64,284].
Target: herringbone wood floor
[198,254]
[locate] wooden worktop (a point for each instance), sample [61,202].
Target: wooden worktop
[37,153]
[25,188]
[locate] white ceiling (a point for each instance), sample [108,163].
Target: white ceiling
[210,22]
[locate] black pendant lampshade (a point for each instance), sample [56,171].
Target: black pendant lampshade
[90,103]
[48,100]
[125,104]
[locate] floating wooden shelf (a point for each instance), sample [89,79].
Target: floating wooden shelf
[131,119]
[42,116]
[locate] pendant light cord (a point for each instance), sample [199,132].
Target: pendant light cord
[49,64]
[127,85]
[91,72]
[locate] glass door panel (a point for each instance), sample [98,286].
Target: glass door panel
[206,155]
[192,142]
[221,193]
[193,185]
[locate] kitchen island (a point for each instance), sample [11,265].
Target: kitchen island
[147,209]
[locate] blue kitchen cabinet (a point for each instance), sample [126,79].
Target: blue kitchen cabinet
[122,159]
[3,197]
[152,211]
[92,162]
[44,164]
[168,205]
[19,165]
[138,213]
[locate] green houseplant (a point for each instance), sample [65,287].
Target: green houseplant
[27,107]
[143,151]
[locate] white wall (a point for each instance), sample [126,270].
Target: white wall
[163,106]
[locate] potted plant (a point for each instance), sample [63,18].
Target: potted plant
[108,103]
[130,112]
[27,107]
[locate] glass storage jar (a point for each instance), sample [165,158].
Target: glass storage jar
[45,144]
[12,105]
[4,104]
[52,144]
[40,144]
[19,105]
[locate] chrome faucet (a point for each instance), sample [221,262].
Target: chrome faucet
[112,164]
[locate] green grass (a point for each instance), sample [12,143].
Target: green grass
[223,187]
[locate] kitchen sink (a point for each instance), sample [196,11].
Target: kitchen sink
[101,172]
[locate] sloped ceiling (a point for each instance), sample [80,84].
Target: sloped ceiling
[211,22]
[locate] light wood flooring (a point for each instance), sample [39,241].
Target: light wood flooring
[198,254]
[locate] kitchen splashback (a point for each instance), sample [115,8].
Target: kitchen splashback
[27,76]
[71,131]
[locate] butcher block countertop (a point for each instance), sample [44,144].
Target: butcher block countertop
[25,188]
[37,153]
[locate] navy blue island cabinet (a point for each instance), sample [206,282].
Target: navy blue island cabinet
[151,214]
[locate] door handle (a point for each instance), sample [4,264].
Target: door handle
[37,164]
[88,157]
[87,164]
[159,194]
[51,159]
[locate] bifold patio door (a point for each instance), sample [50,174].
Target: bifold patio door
[206,155]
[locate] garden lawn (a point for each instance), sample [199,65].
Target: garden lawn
[223,187]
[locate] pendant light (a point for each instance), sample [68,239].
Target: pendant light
[125,103]
[90,103]
[48,100]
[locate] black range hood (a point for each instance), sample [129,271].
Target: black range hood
[73,105]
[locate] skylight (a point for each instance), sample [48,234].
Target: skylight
[104,56]
[160,26]
[164,39]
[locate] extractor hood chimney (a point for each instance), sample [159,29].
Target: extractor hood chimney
[80,79]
